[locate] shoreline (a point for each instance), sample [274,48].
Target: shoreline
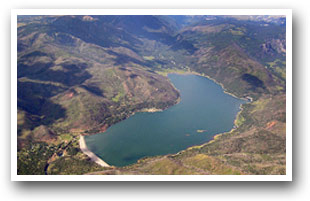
[90,154]
[151,110]
[102,163]
[250,99]
[216,136]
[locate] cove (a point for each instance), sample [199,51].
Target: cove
[204,111]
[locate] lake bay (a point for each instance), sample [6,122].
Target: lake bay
[204,111]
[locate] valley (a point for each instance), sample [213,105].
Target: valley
[79,75]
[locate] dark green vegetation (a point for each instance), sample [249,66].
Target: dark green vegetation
[63,157]
[81,74]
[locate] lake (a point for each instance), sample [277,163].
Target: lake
[204,111]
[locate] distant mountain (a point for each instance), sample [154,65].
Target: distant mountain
[232,47]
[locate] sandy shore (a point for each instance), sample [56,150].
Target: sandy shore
[151,110]
[90,154]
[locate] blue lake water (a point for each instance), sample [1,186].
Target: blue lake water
[204,111]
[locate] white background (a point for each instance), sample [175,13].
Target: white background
[298,189]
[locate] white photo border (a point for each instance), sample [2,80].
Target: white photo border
[289,165]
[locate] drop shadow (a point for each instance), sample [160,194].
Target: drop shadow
[220,187]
